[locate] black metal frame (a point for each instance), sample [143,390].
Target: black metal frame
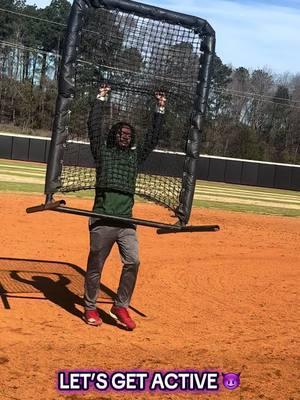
[66,93]
[161,227]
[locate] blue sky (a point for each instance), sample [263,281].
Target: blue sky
[250,33]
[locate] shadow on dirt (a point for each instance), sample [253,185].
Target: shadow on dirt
[59,282]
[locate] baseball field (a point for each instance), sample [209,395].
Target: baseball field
[223,301]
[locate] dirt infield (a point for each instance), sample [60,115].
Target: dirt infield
[224,301]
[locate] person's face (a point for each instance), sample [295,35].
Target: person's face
[124,137]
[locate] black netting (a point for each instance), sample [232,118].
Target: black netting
[136,56]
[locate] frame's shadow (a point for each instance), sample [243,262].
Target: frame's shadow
[55,280]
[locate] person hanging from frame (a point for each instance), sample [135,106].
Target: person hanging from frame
[117,155]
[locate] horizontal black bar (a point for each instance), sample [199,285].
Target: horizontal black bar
[162,228]
[44,207]
[191,228]
[135,221]
[59,206]
[158,13]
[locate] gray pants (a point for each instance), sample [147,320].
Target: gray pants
[102,239]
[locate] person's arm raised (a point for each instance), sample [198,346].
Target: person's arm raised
[152,136]
[95,120]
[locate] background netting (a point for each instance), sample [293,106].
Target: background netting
[136,56]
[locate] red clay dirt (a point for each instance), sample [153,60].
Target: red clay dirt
[224,300]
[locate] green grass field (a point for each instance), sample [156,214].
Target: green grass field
[25,177]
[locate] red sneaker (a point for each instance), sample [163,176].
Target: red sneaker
[91,317]
[121,315]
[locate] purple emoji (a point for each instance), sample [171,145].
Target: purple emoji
[231,380]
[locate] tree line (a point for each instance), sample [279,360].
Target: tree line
[29,60]
[251,114]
